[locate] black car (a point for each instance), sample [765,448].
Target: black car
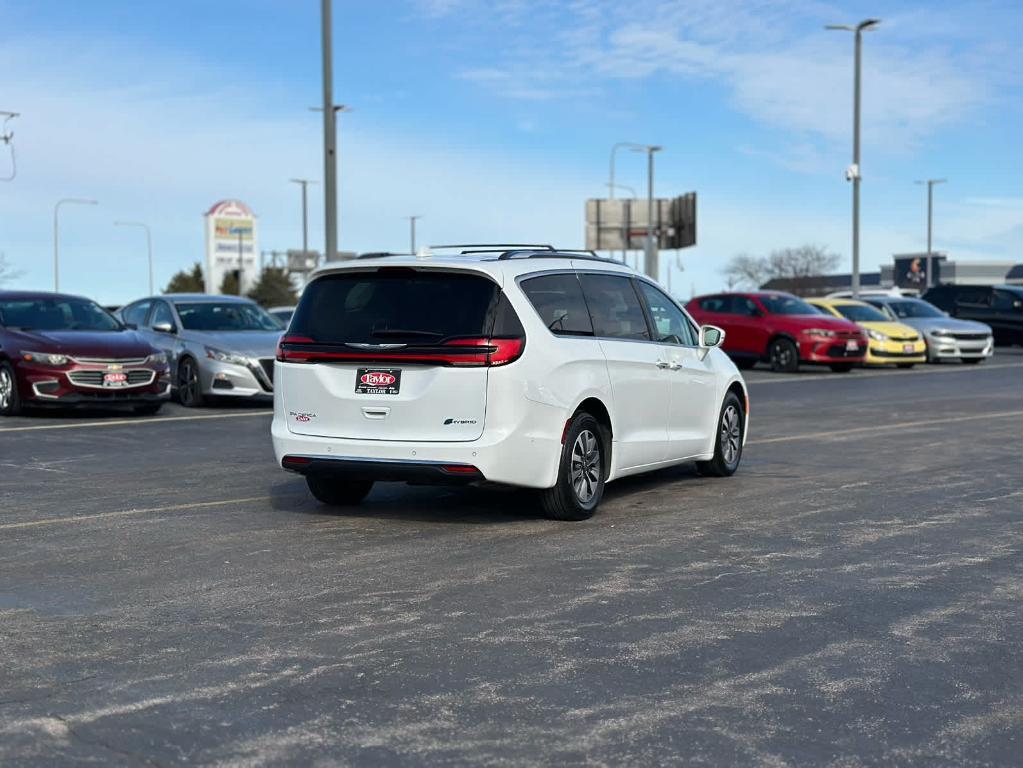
[1000,306]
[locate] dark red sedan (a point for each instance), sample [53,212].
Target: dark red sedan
[67,350]
[781,329]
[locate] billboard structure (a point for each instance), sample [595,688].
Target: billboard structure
[231,245]
[621,224]
[917,270]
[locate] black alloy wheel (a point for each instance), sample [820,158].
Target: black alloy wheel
[189,385]
[784,356]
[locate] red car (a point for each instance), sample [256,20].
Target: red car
[67,350]
[781,329]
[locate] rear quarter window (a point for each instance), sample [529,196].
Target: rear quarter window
[558,300]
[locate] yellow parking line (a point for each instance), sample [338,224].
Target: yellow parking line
[789,379]
[129,512]
[122,422]
[885,427]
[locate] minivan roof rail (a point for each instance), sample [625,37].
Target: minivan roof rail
[560,253]
[495,246]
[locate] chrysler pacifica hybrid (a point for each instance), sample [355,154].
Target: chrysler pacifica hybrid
[532,367]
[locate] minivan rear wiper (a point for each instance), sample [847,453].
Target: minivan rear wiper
[390,333]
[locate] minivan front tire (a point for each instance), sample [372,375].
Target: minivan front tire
[337,492]
[729,442]
[581,472]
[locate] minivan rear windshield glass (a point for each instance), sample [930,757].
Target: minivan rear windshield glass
[778,304]
[225,316]
[402,306]
[56,314]
[914,308]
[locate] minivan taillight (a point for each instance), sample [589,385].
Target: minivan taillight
[460,353]
[283,354]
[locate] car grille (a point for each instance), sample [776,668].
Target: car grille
[136,378]
[104,361]
[914,337]
[970,336]
[839,350]
[883,353]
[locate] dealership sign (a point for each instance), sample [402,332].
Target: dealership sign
[231,245]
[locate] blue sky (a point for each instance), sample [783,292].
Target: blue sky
[494,120]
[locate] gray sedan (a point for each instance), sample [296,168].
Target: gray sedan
[947,337]
[221,346]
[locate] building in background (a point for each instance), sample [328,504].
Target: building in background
[231,245]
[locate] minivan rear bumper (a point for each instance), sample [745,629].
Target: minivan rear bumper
[525,455]
[416,472]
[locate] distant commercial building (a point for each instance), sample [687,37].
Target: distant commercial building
[915,271]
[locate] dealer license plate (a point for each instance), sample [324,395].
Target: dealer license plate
[852,346]
[115,379]
[377,381]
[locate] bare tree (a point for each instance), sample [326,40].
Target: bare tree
[7,272]
[796,265]
[746,271]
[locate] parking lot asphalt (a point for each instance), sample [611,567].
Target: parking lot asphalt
[852,596]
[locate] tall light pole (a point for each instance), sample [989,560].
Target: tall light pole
[412,232]
[330,160]
[626,187]
[650,251]
[329,134]
[56,234]
[305,213]
[611,185]
[149,246]
[853,174]
[930,220]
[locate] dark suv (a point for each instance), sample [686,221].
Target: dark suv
[999,306]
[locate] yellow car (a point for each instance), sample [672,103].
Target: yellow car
[887,342]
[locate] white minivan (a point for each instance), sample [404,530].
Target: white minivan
[526,366]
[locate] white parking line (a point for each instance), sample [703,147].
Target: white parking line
[128,512]
[885,427]
[789,378]
[122,422]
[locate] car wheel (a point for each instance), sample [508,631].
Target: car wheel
[728,445]
[338,493]
[971,360]
[189,384]
[904,365]
[147,409]
[784,356]
[581,472]
[841,367]
[10,401]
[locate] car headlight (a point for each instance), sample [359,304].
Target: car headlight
[877,335]
[44,358]
[157,358]
[818,332]
[226,357]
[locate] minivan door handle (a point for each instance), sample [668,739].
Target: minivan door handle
[663,364]
[376,413]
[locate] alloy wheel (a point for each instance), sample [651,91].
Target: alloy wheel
[585,471]
[731,435]
[781,355]
[6,389]
[189,383]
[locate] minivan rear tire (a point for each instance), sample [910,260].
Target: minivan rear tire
[336,492]
[583,462]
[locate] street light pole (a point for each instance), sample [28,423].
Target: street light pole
[305,215]
[611,185]
[149,246]
[854,171]
[56,235]
[412,232]
[651,255]
[930,219]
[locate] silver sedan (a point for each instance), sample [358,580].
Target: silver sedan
[948,338]
[217,346]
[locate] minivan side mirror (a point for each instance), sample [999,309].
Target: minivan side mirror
[711,336]
[164,328]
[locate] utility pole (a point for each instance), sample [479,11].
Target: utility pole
[7,137]
[930,220]
[56,234]
[241,260]
[853,173]
[149,245]
[412,233]
[329,135]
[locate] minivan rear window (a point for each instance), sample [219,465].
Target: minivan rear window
[402,306]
